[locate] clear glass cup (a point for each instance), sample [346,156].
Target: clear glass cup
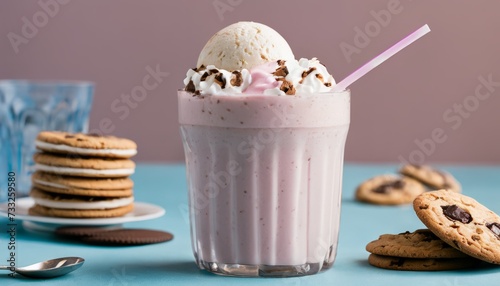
[28,107]
[265,180]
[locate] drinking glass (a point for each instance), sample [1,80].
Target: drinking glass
[28,107]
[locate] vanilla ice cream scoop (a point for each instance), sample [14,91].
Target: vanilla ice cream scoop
[244,45]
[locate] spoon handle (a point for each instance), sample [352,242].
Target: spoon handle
[4,267]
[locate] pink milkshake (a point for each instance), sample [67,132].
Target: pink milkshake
[264,142]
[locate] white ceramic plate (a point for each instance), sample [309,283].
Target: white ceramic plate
[142,211]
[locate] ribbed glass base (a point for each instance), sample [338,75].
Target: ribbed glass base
[260,270]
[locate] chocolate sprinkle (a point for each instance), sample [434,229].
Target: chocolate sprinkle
[455,213]
[287,87]
[220,80]
[320,77]
[306,73]
[204,76]
[190,86]
[495,228]
[236,78]
[281,71]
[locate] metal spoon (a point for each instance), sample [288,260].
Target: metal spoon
[50,268]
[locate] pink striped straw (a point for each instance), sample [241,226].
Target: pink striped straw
[342,85]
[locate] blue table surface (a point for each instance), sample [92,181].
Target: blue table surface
[172,263]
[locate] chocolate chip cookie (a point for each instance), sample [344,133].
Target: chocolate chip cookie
[433,178]
[419,264]
[389,190]
[421,243]
[462,222]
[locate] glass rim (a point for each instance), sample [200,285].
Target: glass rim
[49,83]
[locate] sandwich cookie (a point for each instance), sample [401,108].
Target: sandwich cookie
[78,186]
[92,145]
[83,166]
[49,204]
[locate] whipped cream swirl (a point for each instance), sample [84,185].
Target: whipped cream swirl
[274,78]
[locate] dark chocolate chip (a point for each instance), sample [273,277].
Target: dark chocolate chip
[399,262]
[455,213]
[429,236]
[384,188]
[495,228]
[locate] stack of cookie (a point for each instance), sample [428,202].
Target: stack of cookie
[413,181]
[418,250]
[82,175]
[461,233]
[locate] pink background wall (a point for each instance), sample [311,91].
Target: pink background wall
[404,101]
